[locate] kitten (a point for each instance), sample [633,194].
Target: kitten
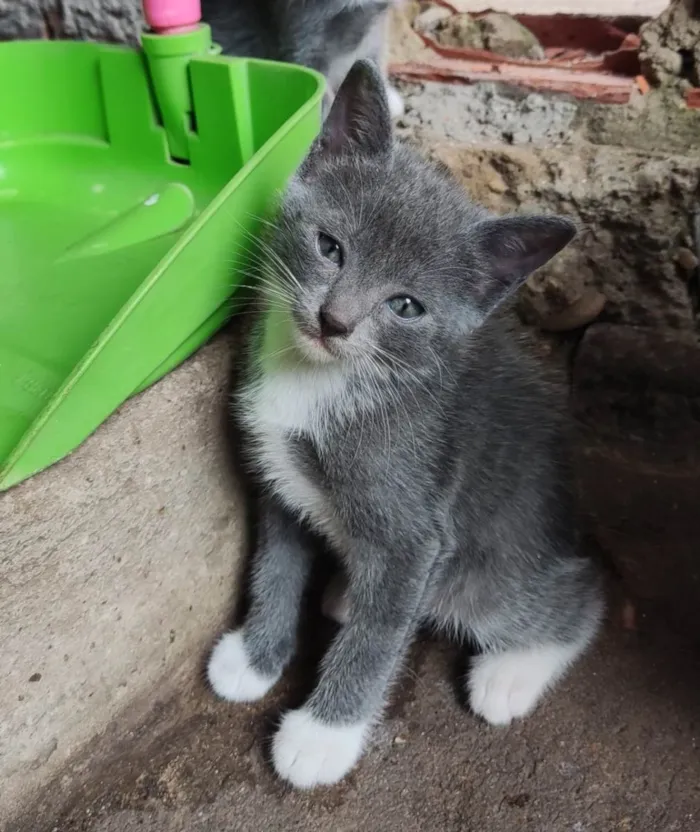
[387,410]
[326,35]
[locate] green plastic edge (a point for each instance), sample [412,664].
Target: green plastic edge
[205,331]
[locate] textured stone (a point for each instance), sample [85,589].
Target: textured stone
[24,18]
[404,43]
[110,20]
[639,382]
[670,44]
[634,210]
[505,36]
[107,20]
[582,311]
[458,30]
[428,20]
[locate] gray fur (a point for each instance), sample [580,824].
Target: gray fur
[325,35]
[435,462]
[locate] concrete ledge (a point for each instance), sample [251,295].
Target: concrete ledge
[117,568]
[603,8]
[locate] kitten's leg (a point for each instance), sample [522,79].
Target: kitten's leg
[378,51]
[247,662]
[508,685]
[321,742]
[547,619]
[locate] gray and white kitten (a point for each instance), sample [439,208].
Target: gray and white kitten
[325,35]
[389,412]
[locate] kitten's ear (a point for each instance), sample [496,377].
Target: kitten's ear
[509,249]
[358,121]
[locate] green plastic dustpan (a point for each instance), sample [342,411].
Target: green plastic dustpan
[129,191]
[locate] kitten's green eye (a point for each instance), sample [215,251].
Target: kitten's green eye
[330,249]
[405,307]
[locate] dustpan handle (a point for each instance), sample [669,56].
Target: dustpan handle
[171,17]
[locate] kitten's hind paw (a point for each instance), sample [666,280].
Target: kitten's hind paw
[307,752]
[230,673]
[506,686]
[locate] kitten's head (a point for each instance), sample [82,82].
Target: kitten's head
[391,263]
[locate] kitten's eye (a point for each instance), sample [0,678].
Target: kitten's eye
[405,307]
[330,249]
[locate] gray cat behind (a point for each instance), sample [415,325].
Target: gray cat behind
[389,410]
[325,35]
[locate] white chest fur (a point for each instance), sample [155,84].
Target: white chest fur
[281,405]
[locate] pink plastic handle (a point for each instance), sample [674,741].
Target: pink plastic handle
[169,17]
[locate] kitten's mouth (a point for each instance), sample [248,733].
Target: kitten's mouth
[313,347]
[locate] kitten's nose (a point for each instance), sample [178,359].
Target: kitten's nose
[332,325]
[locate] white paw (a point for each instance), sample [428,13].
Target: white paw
[505,686]
[336,604]
[310,753]
[230,673]
[396,105]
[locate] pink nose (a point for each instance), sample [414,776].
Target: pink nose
[331,325]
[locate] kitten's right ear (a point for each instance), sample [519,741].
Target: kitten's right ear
[358,122]
[509,249]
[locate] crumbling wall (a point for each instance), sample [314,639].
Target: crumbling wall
[670,47]
[107,20]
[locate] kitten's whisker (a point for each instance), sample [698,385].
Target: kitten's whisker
[260,241]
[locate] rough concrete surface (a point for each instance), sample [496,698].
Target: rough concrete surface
[642,8]
[635,212]
[488,112]
[108,20]
[117,567]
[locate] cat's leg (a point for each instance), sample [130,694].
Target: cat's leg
[247,662]
[507,685]
[377,49]
[541,627]
[321,742]
[530,615]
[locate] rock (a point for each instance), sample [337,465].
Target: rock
[495,31]
[580,313]
[634,211]
[404,44]
[639,359]
[666,64]
[459,30]
[22,20]
[686,259]
[670,45]
[429,19]
[644,384]
[106,20]
[488,112]
[503,34]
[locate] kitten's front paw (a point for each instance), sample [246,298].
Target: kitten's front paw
[506,686]
[230,673]
[309,753]
[396,105]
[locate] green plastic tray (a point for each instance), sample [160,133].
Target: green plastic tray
[121,239]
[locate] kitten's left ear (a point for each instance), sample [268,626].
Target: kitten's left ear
[509,249]
[359,121]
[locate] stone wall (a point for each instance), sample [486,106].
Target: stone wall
[110,20]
